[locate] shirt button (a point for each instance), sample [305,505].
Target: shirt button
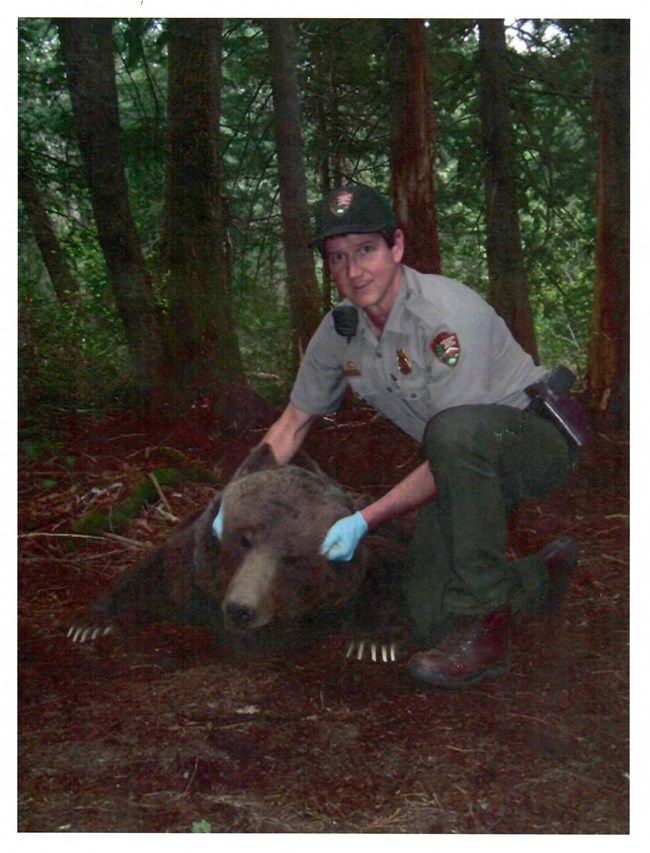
[413,395]
[389,389]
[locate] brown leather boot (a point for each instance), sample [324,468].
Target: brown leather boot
[463,657]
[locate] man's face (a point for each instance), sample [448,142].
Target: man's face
[366,270]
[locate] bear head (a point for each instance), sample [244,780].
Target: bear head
[275,520]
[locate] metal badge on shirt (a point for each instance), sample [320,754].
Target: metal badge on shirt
[403,362]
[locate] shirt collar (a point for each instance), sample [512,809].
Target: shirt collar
[393,323]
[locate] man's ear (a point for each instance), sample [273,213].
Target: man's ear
[398,246]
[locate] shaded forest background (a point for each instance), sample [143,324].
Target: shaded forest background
[167,169]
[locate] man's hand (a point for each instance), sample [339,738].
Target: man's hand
[344,536]
[217,524]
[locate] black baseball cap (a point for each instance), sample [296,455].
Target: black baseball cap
[355,209]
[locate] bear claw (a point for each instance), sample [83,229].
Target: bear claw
[388,651]
[80,635]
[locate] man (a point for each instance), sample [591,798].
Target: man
[433,357]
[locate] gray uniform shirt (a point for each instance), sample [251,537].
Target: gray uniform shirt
[442,346]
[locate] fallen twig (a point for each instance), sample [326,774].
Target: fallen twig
[161,495]
[106,536]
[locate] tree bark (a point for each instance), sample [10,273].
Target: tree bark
[87,49]
[64,285]
[195,252]
[507,279]
[609,356]
[304,298]
[411,137]
[328,165]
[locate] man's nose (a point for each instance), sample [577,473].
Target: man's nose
[354,267]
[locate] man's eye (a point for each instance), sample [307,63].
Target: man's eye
[367,249]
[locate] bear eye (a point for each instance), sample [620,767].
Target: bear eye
[246,540]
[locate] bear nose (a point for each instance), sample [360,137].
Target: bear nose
[240,616]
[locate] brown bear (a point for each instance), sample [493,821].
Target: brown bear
[266,580]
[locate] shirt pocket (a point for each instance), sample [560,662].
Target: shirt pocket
[364,389]
[414,386]
[410,377]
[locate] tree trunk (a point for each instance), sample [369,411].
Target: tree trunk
[609,356]
[508,291]
[411,135]
[326,106]
[63,283]
[304,298]
[87,49]
[195,252]
[64,286]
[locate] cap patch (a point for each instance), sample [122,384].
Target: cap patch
[446,348]
[340,202]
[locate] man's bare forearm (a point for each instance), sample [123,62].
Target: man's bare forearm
[288,433]
[413,491]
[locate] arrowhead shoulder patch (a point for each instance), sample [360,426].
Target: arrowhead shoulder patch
[446,348]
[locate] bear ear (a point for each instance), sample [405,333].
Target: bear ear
[304,460]
[261,458]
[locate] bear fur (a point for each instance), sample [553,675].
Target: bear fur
[266,580]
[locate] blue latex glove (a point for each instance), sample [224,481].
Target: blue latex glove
[344,536]
[217,524]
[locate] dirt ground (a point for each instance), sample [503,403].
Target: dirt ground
[166,733]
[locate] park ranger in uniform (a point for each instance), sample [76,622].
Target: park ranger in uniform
[433,357]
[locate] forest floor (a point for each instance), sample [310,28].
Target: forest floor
[167,733]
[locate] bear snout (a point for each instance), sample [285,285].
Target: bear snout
[239,617]
[243,617]
[247,602]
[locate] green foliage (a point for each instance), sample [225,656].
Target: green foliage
[34,444]
[345,101]
[77,354]
[70,353]
[453,46]
[555,148]
[142,82]
[121,514]
[253,205]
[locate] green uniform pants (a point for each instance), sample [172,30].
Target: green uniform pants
[486,459]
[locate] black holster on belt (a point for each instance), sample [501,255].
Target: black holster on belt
[550,399]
